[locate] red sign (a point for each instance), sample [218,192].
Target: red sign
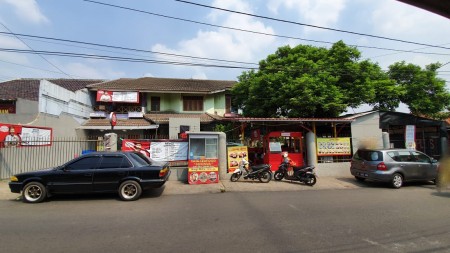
[203,171]
[20,136]
[113,119]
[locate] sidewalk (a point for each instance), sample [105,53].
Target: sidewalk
[178,187]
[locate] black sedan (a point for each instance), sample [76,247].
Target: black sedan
[128,173]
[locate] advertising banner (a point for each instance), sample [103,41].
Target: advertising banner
[410,136]
[203,171]
[118,96]
[333,146]
[235,155]
[21,136]
[174,152]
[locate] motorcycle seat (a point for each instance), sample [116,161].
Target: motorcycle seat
[259,166]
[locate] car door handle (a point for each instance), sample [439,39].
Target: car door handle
[88,174]
[402,165]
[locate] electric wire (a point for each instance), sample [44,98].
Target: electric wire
[262,33]
[60,70]
[308,25]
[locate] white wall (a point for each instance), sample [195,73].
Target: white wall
[55,100]
[175,123]
[366,132]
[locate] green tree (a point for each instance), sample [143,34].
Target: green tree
[307,81]
[421,90]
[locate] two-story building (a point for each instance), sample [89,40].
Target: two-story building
[155,108]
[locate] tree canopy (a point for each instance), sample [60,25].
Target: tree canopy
[307,81]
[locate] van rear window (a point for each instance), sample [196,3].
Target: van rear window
[369,155]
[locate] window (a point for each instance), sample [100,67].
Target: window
[114,162]
[86,163]
[193,103]
[419,157]
[140,159]
[369,155]
[405,156]
[155,104]
[201,148]
[227,104]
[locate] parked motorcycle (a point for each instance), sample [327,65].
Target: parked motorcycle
[304,174]
[261,172]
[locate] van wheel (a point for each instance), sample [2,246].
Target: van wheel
[397,181]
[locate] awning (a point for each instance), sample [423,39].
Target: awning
[122,124]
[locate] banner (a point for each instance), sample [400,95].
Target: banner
[20,136]
[333,146]
[235,155]
[203,171]
[174,152]
[118,96]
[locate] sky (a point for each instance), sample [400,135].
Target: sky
[198,39]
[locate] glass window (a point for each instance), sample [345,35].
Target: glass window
[140,159]
[405,156]
[419,157]
[114,162]
[201,148]
[369,155]
[395,156]
[86,163]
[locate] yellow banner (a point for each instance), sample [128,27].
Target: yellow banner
[333,146]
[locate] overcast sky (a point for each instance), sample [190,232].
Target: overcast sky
[151,29]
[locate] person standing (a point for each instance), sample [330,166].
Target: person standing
[12,139]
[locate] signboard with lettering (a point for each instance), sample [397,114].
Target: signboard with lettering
[118,96]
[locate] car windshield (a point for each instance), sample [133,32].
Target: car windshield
[141,159]
[369,155]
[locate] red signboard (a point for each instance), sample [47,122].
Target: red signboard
[203,171]
[113,119]
[24,136]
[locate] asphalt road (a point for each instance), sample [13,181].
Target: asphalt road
[412,219]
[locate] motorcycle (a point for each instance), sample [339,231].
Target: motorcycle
[304,174]
[261,172]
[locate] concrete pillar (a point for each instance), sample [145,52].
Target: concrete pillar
[444,146]
[386,140]
[311,151]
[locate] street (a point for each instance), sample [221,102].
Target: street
[374,219]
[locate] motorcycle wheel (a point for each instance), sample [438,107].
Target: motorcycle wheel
[235,177]
[265,177]
[278,176]
[311,180]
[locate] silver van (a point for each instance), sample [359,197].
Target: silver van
[393,166]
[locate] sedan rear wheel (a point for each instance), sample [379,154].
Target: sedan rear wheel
[130,190]
[397,181]
[34,192]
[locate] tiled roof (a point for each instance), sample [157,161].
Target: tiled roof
[152,84]
[20,88]
[29,88]
[163,118]
[74,84]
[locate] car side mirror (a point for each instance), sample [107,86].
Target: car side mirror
[433,160]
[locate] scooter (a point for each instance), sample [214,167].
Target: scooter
[304,174]
[261,172]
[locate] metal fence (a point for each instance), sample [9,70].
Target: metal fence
[38,156]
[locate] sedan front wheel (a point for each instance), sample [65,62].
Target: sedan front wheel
[34,192]
[130,190]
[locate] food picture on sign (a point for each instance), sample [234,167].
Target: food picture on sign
[235,155]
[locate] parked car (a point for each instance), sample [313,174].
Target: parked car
[127,173]
[394,166]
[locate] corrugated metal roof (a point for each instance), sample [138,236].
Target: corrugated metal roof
[121,124]
[250,119]
[163,118]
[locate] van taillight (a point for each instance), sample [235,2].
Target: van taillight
[381,166]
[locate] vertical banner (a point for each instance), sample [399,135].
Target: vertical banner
[203,171]
[235,155]
[410,136]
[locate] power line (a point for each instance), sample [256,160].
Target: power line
[261,33]
[37,54]
[309,25]
[26,66]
